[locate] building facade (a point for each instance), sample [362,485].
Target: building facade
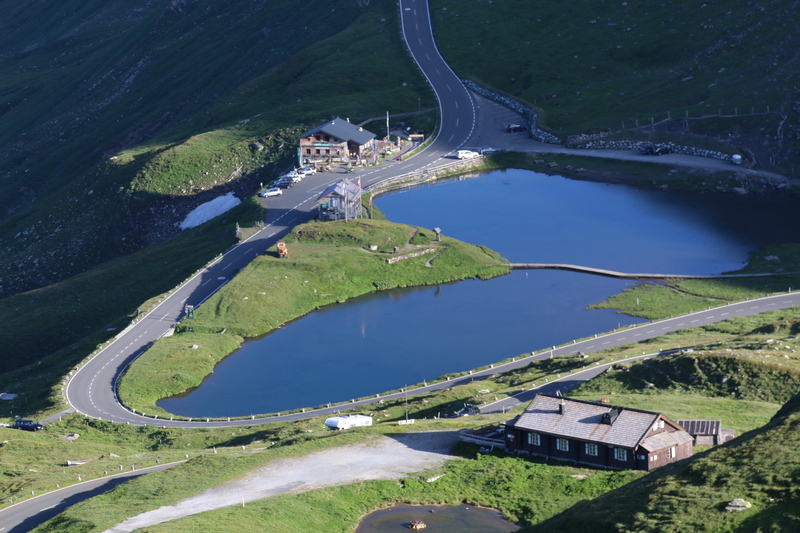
[336,140]
[597,434]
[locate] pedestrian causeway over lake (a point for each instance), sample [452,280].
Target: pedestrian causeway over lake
[626,275]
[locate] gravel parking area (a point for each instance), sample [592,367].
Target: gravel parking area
[379,457]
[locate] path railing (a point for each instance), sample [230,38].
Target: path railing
[424,175]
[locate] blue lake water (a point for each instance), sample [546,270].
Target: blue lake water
[386,340]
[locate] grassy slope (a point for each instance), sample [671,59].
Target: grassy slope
[676,297]
[66,234]
[743,388]
[524,489]
[28,74]
[520,488]
[760,466]
[597,64]
[329,262]
[164,87]
[486,484]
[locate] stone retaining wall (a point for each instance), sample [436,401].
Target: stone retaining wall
[637,145]
[529,114]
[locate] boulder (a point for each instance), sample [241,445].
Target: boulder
[737,504]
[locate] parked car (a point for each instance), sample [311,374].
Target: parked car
[272,191]
[294,176]
[469,409]
[514,128]
[467,154]
[307,171]
[652,149]
[283,184]
[27,425]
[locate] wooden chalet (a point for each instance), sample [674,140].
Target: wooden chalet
[597,434]
[336,140]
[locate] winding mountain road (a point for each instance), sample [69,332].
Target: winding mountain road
[91,390]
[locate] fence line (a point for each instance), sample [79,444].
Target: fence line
[424,175]
[581,138]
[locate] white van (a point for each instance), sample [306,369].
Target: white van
[293,176]
[467,154]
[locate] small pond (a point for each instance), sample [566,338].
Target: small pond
[438,518]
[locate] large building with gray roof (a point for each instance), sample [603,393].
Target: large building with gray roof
[336,140]
[597,434]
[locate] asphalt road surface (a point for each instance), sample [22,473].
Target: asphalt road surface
[91,390]
[26,515]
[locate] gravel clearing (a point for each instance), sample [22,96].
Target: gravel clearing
[379,457]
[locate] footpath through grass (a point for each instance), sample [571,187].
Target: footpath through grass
[524,490]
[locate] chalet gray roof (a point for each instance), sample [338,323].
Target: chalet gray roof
[701,427]
[344,130]
[665,439]
[584,421]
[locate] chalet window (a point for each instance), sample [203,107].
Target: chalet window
[620,454]
[317,151]
[641,457]
[673,452]
[534,439]
[654,457]
[308,151]
[562,445]
[658,425]
[591,449]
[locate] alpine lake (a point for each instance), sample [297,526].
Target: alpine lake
[390,339]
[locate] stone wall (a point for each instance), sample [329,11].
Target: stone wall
[637,145]
[530,115]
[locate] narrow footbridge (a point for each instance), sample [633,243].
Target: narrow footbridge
[626,275]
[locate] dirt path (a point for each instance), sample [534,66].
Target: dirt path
[377,458]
